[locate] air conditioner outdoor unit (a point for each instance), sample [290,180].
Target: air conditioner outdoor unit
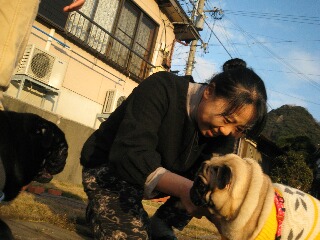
[42,66]
[113,100]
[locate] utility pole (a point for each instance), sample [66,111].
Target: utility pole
[199,26]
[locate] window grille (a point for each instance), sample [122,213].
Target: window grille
[118,32]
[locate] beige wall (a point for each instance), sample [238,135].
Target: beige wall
[87,78]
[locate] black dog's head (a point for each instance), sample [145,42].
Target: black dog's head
[52,150]
[31,148]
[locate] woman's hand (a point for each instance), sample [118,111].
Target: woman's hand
[178,186]
[186,201]
[76,5]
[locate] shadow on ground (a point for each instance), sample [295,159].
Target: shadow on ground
[72,208]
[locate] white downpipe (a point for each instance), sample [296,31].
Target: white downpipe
[49,41]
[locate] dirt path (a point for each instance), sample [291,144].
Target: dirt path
[75,211]
[64,206]
[24,230]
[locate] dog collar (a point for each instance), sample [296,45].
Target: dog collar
[273,224]
[279,203]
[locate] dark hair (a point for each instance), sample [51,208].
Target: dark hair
[234,63]
[241,86]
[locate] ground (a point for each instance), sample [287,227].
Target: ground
[38,230]
[50,215]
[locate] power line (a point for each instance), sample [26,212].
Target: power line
[281,41]
[218,39]
[310,74]
[305,100]
[276,16]
[280,60]
[263,35]
[196,10]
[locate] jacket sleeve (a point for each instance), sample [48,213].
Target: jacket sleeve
[134,152]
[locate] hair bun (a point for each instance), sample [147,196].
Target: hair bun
[234,63]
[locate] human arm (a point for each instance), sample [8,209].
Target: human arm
[177,186]
[76,5]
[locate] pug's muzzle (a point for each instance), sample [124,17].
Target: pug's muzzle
[198,192]
[207,181]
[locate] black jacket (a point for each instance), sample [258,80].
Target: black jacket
[150,129]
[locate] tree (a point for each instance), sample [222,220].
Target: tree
[291,121]
[301,145]
[297,134]
[291,169]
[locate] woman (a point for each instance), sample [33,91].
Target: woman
[154,142]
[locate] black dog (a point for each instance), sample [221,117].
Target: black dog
[31,148]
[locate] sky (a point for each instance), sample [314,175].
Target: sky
[279,40]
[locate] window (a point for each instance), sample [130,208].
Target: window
[137,31]
[119,31]
[94,29]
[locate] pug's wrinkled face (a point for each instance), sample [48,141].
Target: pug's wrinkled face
[220,185]
[210,179]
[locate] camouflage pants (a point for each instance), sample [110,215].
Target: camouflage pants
[115,209]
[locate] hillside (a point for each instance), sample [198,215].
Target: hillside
[291,121]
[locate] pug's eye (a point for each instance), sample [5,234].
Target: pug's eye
[223,176]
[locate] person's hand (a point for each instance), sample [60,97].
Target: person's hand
[197,212]
[178,186]
[76,5]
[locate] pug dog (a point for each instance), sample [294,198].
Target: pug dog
[244,203]
[31,148]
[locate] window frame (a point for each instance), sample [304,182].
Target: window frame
[145,66]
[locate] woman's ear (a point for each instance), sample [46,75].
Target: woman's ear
[209,91]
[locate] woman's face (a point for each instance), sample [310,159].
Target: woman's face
[212,124]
